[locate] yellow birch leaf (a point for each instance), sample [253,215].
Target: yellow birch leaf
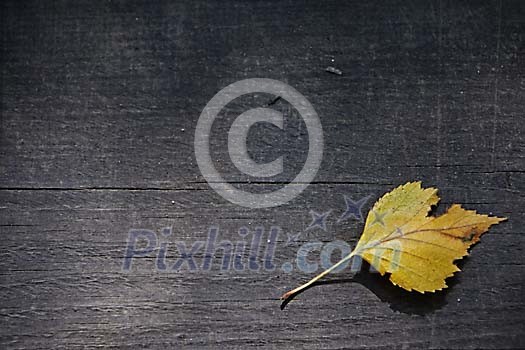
[417,250]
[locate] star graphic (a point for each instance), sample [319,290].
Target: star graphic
[292,238]
[353,209]
[378,218]
[318,220]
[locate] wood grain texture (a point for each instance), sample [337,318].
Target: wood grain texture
[99,103]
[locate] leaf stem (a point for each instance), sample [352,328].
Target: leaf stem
[318,277]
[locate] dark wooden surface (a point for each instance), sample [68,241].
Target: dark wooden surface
[99,103]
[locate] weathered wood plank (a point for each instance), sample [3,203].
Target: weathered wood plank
[99,103]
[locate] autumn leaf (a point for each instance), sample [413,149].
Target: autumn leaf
[417,250]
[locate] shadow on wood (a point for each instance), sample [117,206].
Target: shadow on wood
[413,303]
